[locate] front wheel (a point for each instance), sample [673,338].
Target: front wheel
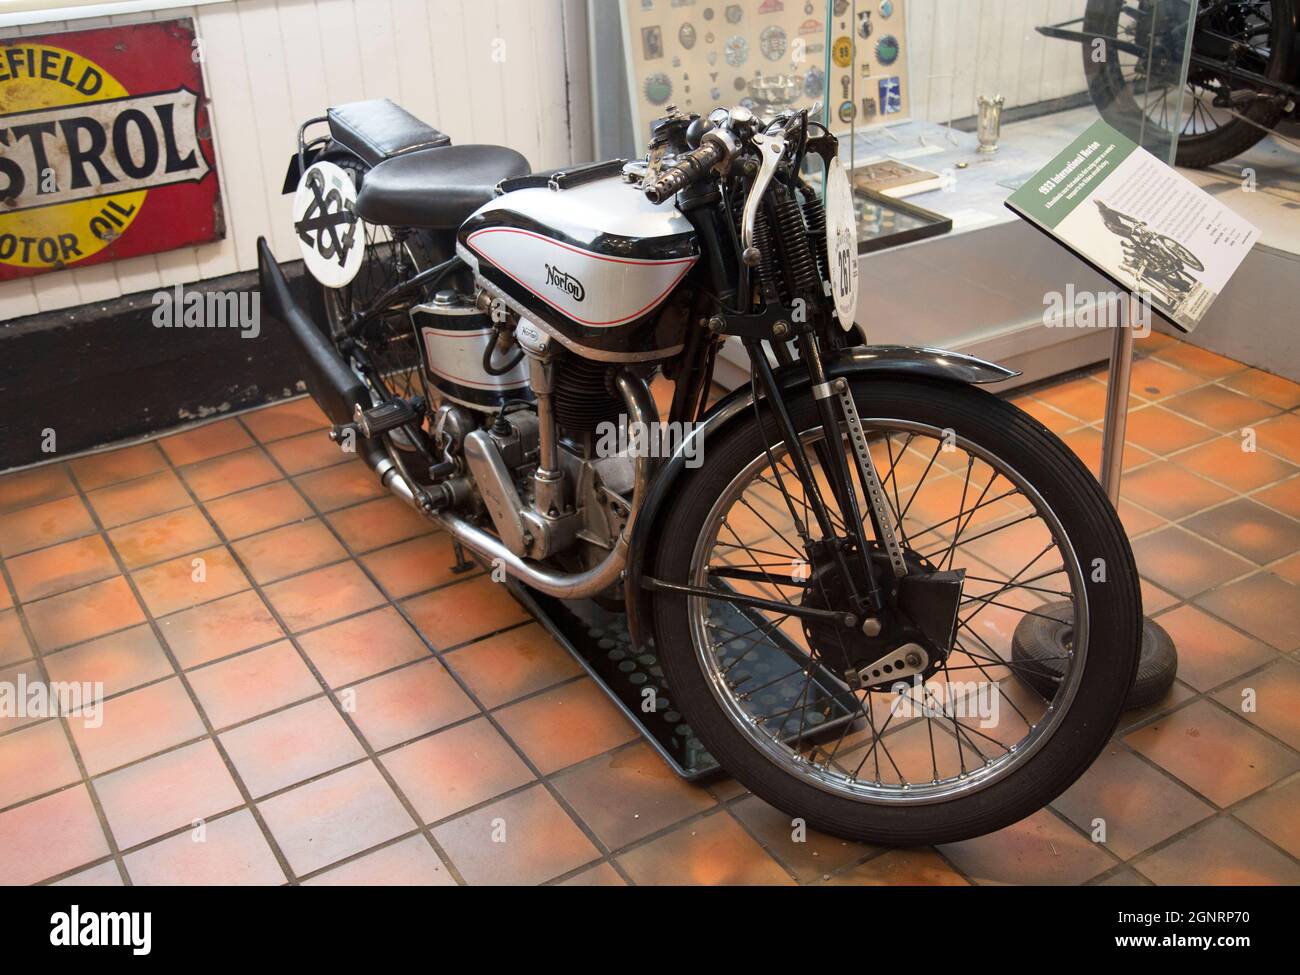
[963,746]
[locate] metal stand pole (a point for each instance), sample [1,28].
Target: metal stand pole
[1117,387]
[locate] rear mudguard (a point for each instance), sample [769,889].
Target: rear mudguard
[868,360]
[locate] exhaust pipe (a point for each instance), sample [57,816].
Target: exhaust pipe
[336,390]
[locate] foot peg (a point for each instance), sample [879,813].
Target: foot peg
[385,417]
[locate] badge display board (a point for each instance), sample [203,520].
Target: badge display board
[768,55]
[108,150]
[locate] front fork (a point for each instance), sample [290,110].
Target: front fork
[834,401]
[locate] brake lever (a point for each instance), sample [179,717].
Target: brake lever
[771,149]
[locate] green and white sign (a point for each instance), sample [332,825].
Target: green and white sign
[1140,222]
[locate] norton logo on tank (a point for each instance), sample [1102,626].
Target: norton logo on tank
[105,148]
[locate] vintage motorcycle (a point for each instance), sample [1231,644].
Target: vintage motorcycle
[1242,80]
[831,588]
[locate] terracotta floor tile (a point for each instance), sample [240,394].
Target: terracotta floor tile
[6,600]
[34,760]
[1284,497]
[1138,806]
[36,486]
[252,683]
[407,863]
[258,510]
[137,724]
[109,467]
[288,550]
[13,641]
[812,856]
[509,665]
[1218,755]
[105,874]
[1170,491]
[165,793]
[340,485]
[233,852]
[902,868]
[1200,361]
[322,596]
[141,498]
[85,613]
[49,836]
[1155,380]
[1265,386]
[11,676]
[42,525]
[710,851]
[121,661]
[1210,652]
[1263,605]
[1221,853]
[1222,409]
[1272,813]
[406,703]
[1154,599]
[1249,529]
[1037,850]
[285,419]
[524,839]
[1162,431]
[334,817]
[219,628]
[414,565]
[1274,700]
[1225,461]
[1185,564]
[209,440]
[189,580]
[290,746]
[163,537]
[1281,435]
[1288,569]
[1087,443]
[229,474]
[377,523]
[452,615]
[1138,521]
[565,725]
[59,568]
[1084,398]
[601,875]
[362,646]
[308,452]
[449,772]
[650,795]
[1177,695]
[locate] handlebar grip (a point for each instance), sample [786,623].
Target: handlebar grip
[691,168]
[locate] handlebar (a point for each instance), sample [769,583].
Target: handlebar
[690,168]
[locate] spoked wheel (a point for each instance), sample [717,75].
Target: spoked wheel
[1214,113]
[889,737]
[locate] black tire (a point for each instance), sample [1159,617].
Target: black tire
[1042,642]
[1115,618]
[1117,104]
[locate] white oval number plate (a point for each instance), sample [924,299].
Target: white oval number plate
[842,243]
[326,222]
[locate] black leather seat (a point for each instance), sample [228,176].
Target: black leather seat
[435,188]
[376,130]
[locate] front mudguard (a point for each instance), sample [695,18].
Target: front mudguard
[866,360]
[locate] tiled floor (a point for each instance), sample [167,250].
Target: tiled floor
[297,679]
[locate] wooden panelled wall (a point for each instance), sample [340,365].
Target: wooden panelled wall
[271,64]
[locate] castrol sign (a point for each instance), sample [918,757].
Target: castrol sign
[105,147]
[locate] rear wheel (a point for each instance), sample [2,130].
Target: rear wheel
[1215,115]
[967,745]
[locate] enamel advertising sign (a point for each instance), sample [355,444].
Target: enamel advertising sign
[105,147]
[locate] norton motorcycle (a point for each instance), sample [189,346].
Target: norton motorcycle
[831,565]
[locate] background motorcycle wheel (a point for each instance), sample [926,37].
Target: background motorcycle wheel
[1206,135]
[1074,731]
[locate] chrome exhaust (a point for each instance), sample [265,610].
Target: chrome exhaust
[562,585]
